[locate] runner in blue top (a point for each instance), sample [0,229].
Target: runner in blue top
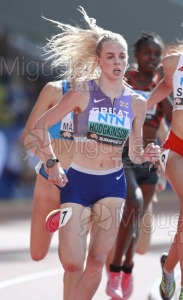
[106,113]
[46,194]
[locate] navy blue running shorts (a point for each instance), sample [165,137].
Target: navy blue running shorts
[86,186]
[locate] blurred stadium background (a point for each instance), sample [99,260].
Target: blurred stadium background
[23,72]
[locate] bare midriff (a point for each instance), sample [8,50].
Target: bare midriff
[177,123]
[97,156]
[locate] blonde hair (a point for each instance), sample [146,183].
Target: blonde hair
[174,48]
[75,49]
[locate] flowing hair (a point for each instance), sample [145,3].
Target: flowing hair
[75,49]
[174,48]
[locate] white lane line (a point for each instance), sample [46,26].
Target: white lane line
[29,277]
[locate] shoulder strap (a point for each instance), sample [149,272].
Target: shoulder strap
[65,86]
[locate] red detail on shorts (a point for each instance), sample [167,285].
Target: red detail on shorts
[174,143]
[180,69]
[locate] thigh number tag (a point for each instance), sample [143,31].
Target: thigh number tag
[164,158]
[65,216]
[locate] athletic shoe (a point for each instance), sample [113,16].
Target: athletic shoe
[181,295]
[127,285]
[167,286]
[52,220]
[113,288]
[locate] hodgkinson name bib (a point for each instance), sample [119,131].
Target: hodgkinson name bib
[108,128]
